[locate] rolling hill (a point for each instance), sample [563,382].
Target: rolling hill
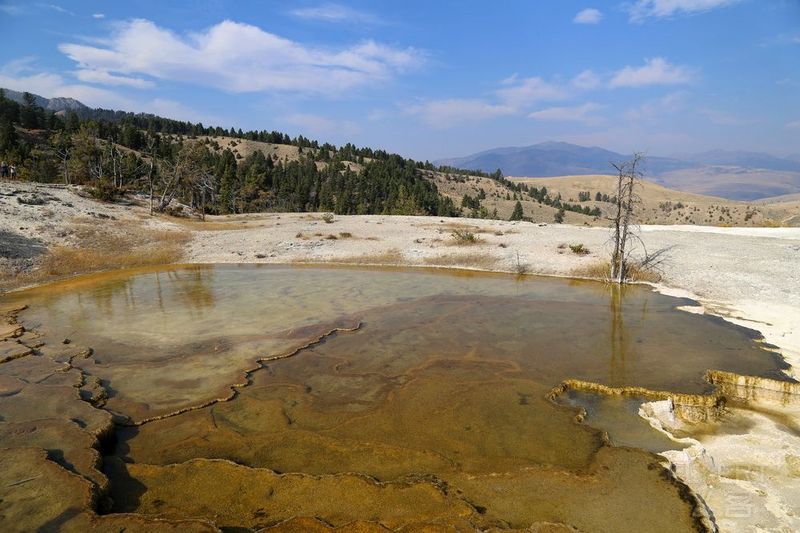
[661,205]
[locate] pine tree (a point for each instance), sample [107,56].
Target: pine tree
[8,136]
[517,214]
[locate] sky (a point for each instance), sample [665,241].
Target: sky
[430,79]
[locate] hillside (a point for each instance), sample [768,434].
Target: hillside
[661,205]
[736,175]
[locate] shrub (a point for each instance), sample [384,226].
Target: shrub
[464,237]
[104,191]
[579,249]
[31,200]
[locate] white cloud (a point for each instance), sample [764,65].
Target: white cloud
[335,13]
[520,93]
[446,113]
[317,125]
[586,80]
[643,9]
[11,10]
[55,7]
[43,84]
[581,113]
[20,65]
[655,71]
[26,8]
[783,39]
[103,77]
[240,58]
[98,15]
[655,109]
[50,85]
[793,125]
[515,96]
[588,16]
[377,115]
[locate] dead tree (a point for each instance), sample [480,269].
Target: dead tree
[152,144]
[629,176]
[625,236]
[62,145]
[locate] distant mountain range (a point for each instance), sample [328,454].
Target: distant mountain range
[731,174]
[56,105]
[559,159]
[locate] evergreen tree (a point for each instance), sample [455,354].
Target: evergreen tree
[8,136]
[517,214]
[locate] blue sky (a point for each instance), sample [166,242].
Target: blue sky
[430,79]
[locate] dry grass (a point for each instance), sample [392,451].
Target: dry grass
[211,225]
[102,247]
[601,270]
[465,259]
[389,257]
[770,223]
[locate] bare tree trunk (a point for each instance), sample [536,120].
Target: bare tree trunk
[64,159]
[151,174]
[617,222]
[114,165]
[628,176]
[150,178]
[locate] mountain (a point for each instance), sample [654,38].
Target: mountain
[57,104]
[554,159]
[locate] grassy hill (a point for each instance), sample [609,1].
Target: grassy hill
[661,205]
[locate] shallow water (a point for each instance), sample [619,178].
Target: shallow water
[439,396]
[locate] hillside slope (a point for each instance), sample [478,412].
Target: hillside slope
[661,205]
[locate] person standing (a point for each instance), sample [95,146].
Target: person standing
[3,170]
[12,172]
